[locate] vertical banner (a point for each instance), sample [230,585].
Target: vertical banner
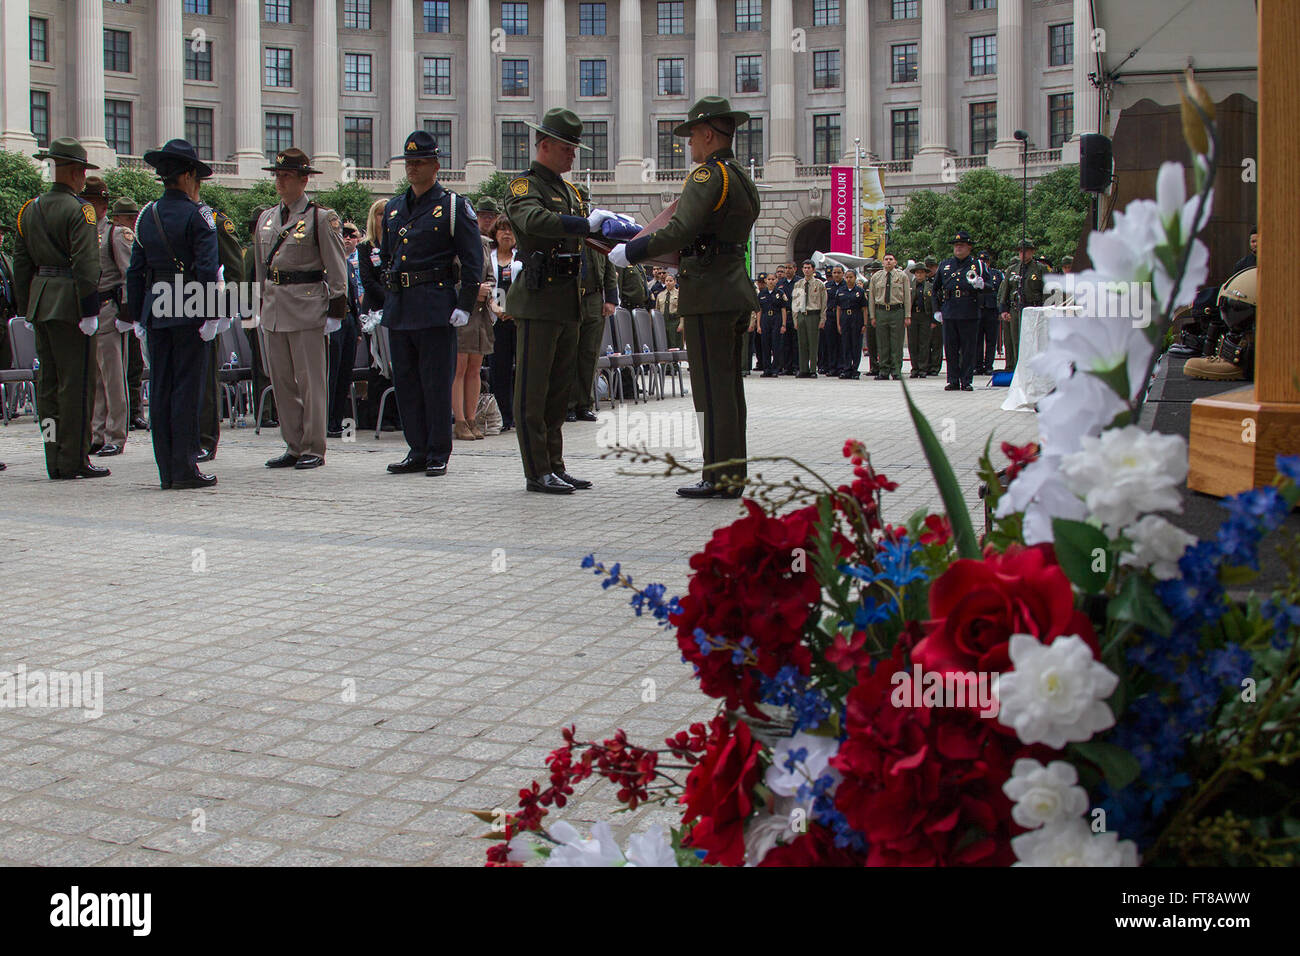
[842,209]
[872,204]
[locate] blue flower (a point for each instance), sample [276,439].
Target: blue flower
[872,612]
[1289,466]
[796,756]
[1285,617]
[589,561]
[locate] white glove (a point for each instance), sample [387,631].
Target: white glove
[597,217]
[123,326]
[139,331]
[459,317]
[333,325]
[618,255]
[938,317]
[222,324]
[208,330]
[977,282]
[89,324]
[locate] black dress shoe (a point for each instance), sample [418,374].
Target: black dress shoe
[587,415]
[138,424]
[707,489]
[436,469]
[206,454]
[968,388]
[952,387]
[916,375]
[407,466]
[309,461]
[284,461]
[896,377]
[579,483]
[550,484]
[571,417]
[334,433]
[108,451]
[196,480]
[95,448]
[271,423]
[88,471]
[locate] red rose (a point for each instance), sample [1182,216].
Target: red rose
[975,607]
[719,791]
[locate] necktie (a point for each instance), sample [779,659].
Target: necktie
[284,214]
[887,278]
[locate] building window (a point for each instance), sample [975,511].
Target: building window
[437,16]
[356,72]
[749,142]
[595,133]
[591,19]
[437,76]
[198,63]
[356,14]
[277,67]
[672,18]
[514,19]
[440,130]
[40,112]
[359,140]
[117,125]
[983,4]
[278,11]
[38,35]
[277,135]
[672,76]
[826,69]
[984,55]
[591,78]
[671,151]
[905,10]
[198,130]
[903,62]
[1060,112]
[749,74]
[826,13]
[907,132]
[983,127]
[117,51]
[1060,42]
[514,146]
[514,77]
[826,138]
[201,7]
[749,15]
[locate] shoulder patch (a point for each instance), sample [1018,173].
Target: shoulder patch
[335,223]
[701,175]
[128,234]
[473,216]
[89,212]
[228,226]
[206,213]
[519,187]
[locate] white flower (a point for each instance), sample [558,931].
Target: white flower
[1056,693]
[1126,473]
[652,848]
[820,750]
[600,850]
[1044,795]
[1178,221]
[763,833]
[1072,843]
[1157,545]
[519,850]
[1040,493]
[1126,252]
[1080,405]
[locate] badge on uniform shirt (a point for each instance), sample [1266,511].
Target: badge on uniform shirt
[701,175]
[89,212]
[392,214]
[374,257]
[300,230]
[206,213]
[437,211]
[519,187]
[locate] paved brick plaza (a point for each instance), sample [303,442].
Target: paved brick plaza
[347,676]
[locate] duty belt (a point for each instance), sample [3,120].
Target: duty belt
[281,277]
[404,280]
[708,246]
[63,271]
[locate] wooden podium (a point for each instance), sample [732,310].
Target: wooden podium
[1235,436]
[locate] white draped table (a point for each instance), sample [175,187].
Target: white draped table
[1028,386]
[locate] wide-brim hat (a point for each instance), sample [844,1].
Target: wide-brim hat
[709,108]
[125,207]
[95,188]
[1026,244]
[931,262]
[419,145]
[66,150]
[487,204]
[292,160]
[1067,260]
[561,124]
[176,156]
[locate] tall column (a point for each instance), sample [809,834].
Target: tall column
[780,162]
[87,30]
[1087,98]
[479,120]
[325,90]
[248,89]
[631,103]
[555,65]
[169,49]
[934,88]
[706,48]
[15,79]
[1011,84]
[857,80]
[402,77]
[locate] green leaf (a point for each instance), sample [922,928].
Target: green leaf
[1076,545]
[1116,378]
[1137,603]
[1118,765]
[953,502]
[1235,574]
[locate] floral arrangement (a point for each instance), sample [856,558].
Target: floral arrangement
[1086,685]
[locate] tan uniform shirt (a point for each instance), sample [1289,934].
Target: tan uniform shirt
[114,258]
[666,302]
[900,292]
[299,307]
[808,295]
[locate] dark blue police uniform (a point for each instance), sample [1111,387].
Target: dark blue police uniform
[830,358]
[771,356]
[790,337]
[986,349]
[958,300]
[851,303]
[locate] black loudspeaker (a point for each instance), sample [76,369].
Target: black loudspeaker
[1096,164]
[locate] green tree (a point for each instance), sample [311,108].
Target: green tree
[494,186]
[350,200]
[20,180]
[220,198]
[141,185]
[918,232]
[244,202]
[1058,212]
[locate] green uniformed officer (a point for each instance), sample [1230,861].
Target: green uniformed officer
[260,380]
[632,290]
[936,329]
[918,331]
[545,212]
[1015,294]
[598,285]
[56,274]
[717,209]
[231,257]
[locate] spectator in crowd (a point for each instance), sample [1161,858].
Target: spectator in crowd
[504,267]
[666,303]
[808,303]
[372,300]
[343,340]
[473,341]
[1249,259]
